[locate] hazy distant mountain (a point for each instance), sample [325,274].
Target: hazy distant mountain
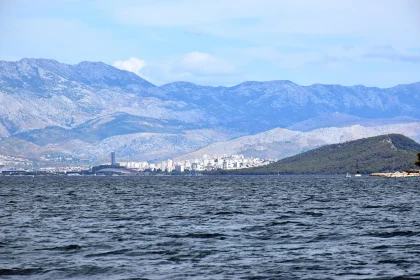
[55,106]
[341,120]
[281,143]
[384,153]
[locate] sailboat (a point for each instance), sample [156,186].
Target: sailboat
[348,175]
[357,170]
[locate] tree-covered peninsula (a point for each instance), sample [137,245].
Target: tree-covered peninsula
[385,153]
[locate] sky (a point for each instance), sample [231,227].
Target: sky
[224,42]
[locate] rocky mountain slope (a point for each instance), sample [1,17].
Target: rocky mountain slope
[56,107]
[36,93]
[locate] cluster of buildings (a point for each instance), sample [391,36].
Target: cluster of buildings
[62,158]
[206,163]
[16,165]
[18,162]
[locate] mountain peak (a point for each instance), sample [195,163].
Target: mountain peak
[47,64]
[40,75]
[91,63]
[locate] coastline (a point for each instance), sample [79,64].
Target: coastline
[398,174]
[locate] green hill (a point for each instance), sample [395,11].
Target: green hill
[390,152]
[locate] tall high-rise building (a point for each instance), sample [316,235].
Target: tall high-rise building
[225,165]
[170,165]
[112,158]
[163,166]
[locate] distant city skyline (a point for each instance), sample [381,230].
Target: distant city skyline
[374,43]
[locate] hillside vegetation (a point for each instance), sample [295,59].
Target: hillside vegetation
[390,152]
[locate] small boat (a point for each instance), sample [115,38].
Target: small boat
[348,175]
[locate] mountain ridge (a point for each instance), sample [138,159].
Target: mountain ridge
[44,94]
[30,59]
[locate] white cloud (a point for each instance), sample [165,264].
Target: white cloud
[203,64]
[133,64]
[196,67]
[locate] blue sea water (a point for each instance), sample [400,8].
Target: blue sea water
[209,227]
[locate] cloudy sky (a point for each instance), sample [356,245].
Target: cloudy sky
[224,42]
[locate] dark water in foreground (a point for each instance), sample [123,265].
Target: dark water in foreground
[270,227]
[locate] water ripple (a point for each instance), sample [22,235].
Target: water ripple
[262,227]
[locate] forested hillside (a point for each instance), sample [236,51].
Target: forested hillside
[390,152]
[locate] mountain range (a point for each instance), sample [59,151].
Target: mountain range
[91,108]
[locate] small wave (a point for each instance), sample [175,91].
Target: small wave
[162,252]
[274,223]
[406,277]
[393,261]
[372,206]
[407,233]
[116,252]
[62,248]
[282,217]
[197,235]
[400,208]
[20,271]
[175,259]
[227,213]
[325,237]
[313,214]
[352,273]
[381,247]
[272,205]
[317,267]
[254,228]
[170,243]
[327,200]
[202,254]
[308,198]
[204,235]
[135,278]
[257,277]
[180,217]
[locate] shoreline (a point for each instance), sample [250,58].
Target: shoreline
[397,174]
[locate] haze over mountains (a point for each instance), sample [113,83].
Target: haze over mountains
[283,143]
[89,109]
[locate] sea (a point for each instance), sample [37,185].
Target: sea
[209,227]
